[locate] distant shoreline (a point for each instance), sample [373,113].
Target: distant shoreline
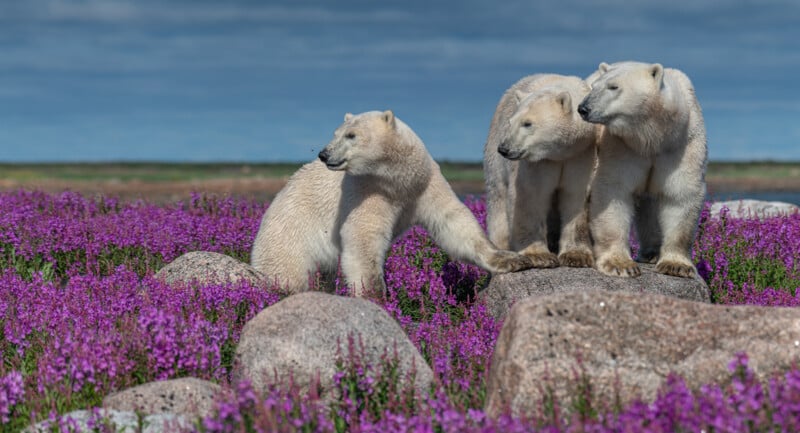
[163,191]
[168,182]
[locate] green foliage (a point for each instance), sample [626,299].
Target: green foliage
[26,268]
[363,388]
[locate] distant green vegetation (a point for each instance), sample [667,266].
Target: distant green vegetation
[170,172]
[145,171]
[761,169]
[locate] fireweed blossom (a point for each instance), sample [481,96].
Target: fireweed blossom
[83,317]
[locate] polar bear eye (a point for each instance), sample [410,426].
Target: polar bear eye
[527,124]
[613,87]
[350,135]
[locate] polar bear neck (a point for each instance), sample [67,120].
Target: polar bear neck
[662,125]
[405,167]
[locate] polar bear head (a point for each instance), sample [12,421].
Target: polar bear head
[546,125]
[621,94]
[362,142]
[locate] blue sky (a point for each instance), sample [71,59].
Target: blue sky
[197,80]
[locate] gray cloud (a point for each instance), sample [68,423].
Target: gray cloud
[444,64]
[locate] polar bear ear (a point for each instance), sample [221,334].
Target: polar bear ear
[565,100]
[657,72]
[519,95]
[348,116]
[388,117]
[603,67]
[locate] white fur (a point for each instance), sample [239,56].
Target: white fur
[548,150]
[651,165]
[380,181]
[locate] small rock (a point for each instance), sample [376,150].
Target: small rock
[506,289]
[123,422]
[189,396]
[749,208]
[208,267]
[300,336]
[628,344]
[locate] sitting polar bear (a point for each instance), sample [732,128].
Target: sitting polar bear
[547,151]
[373,181]
[651,166]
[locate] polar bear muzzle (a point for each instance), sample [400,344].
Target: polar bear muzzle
[504,149]
[325,156]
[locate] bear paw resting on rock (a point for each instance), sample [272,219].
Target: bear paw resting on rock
[539,148]
[373,181]
[651,163]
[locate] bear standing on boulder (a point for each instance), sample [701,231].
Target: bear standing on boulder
[538,148]
[372,182]
[651,166]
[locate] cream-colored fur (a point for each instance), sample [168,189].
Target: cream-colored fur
[538,146]
[379,181]
[651,167]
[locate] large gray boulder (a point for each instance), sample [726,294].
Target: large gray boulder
[208,268]
[748,208]
[630,342]
[300,336]
[188,396]
[123,422]
[506,289]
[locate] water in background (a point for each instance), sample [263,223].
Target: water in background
[784,196]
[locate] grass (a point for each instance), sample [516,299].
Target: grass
[760,169]
[173,172]
[144,171]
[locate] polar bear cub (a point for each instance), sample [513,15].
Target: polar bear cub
[651,167]
[539,147]
[373,181]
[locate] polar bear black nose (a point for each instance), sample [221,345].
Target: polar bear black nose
[324,155]
[583,110]
[503,149]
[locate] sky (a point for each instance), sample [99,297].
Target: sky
[262,81]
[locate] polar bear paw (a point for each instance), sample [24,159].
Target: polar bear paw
[542,259]
[576,259]
[508,261]
[619,267]
[675,268]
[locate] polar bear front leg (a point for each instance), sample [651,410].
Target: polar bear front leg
[619,174]
[679,175]
[454,228]
[610,224]
[575,245]
[366,236]
[535,185]
[497,216]
[678,217]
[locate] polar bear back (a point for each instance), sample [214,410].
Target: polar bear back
[312,194]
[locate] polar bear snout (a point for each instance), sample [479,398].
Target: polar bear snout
[331,163]
[504,149]
[324,155]
[584,110]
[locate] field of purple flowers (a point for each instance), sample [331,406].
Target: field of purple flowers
[82,316]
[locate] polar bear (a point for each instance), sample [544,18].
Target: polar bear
[539,149]
[373,181]
[652,157]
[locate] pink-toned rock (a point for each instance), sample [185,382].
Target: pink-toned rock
[189,397]
[300,337]
[506,289]
[208,267]
[628,344]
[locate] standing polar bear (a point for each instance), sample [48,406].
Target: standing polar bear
[373,181]
[651,167]
[539,147]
